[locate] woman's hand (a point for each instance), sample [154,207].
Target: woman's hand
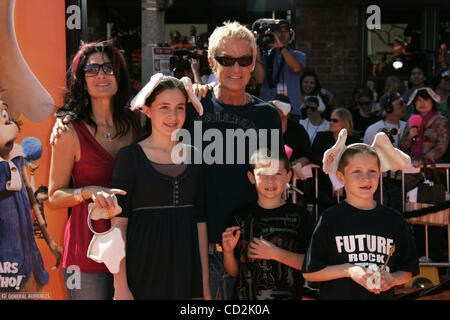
[413,132]
[102,197]
[61,124]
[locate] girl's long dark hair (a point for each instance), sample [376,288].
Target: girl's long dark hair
[77,101]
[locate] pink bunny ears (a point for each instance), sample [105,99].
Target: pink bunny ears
[391,158]
[139,100]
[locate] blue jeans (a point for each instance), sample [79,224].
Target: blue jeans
[221,283]
[86,286]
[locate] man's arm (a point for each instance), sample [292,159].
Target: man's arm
[259,73]
[291,61]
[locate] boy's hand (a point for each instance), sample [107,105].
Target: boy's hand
[261,249]
[230,238]
[361,276]
[387,281]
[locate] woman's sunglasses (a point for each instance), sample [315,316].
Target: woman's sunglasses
[310,108]
[334,120]
[91,70]
[228,61]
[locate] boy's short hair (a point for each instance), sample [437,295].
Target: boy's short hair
[265,155]
[352,150]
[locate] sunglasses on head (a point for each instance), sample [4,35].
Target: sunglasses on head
[91,70]
[228,61]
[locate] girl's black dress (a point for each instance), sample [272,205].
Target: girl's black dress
[162,251]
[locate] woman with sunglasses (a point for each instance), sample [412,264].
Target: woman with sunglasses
[310,86]
[314,121]
[427,140]
[340,118]
[363,116]
[83,158]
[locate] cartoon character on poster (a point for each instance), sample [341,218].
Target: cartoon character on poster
[25,94]
[21,264]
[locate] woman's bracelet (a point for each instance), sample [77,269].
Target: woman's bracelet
[78,194]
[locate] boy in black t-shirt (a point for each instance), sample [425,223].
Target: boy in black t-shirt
[266,241]
[361,249]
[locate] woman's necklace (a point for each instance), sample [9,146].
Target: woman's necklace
[106,134]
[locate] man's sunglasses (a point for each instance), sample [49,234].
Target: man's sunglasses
[365,103]
[91,70]
[228,61]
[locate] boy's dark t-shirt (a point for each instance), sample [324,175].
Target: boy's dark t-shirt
[288,227]
[346,234]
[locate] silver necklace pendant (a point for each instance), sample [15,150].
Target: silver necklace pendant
[108,136]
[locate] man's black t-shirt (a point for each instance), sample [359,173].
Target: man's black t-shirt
[226,136]
[345,234]
[288,227]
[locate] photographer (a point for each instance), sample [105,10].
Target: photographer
[278,70]
[193,64]
[394,109]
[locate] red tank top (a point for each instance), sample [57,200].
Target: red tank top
[93,169]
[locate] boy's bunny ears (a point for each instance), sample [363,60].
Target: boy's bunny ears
[139,100]
[390,158]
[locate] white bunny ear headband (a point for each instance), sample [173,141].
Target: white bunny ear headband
[430,91]
[139,100]
[284,107]
[390,158]
[320,107]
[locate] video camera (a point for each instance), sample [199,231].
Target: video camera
[179,62]
[264,28]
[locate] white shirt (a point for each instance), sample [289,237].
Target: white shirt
[373,129]
[312,129]
[209,78]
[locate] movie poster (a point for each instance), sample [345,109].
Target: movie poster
[32,77]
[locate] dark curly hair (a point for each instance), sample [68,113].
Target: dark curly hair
[77,101]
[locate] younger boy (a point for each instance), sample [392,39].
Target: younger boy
[357,235]
[266,242]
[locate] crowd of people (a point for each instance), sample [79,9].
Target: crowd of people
[222,229]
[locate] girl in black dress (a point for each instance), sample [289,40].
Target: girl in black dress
[162,215]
